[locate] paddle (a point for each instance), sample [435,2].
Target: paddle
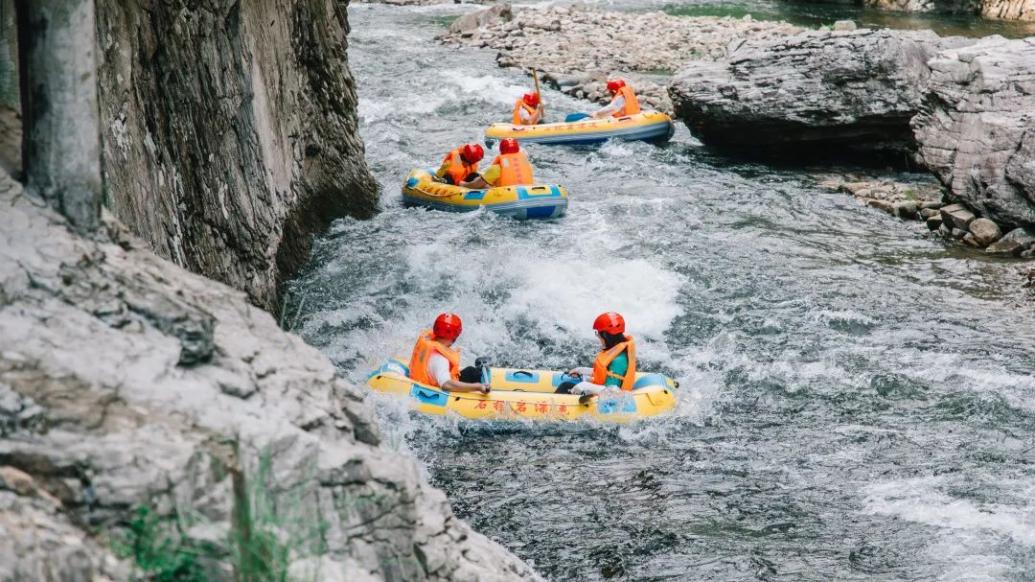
[575,117]
[538,93]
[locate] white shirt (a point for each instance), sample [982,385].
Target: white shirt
[616,105]
[438,368]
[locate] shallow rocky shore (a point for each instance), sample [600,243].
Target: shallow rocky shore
[126,382]
[578,48]
[925,201]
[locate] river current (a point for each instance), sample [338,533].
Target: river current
[856,396]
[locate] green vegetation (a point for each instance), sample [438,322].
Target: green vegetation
[160,550]
[267,533]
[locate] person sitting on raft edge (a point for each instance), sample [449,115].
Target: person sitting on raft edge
[510,168]
[623,101]
[460,166]
[528,110]
[434,361]
[615,365]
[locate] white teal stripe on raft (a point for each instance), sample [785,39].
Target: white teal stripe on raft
[644,133]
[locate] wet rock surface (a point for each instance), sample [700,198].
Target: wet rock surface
[126,381]
[229,132]
[976,130]
[578,48]
[844,94]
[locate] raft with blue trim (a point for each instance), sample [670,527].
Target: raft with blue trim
[643,126]
[528,395]
[539,201]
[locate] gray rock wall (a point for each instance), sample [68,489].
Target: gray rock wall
[229,132]
[126,381]
[955,6]
[976,130]
[1008,9]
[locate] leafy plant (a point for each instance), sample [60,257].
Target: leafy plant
[160,550]
[269,531]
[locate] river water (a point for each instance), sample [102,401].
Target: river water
[857,397]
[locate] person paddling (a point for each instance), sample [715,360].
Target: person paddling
[434,361]
[615,365]
[623,101]
[460,166]
[528,110]
[510,168]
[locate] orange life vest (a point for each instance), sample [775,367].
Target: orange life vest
[604,359]
[422,351]
[518,106]
[458,170]
[514,169]
[632,104]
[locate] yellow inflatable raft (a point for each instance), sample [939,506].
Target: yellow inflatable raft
[540,201]
[645,126]
[528,395]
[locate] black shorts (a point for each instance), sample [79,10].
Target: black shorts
[471,374]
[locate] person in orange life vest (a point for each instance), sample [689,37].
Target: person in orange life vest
[460,166]
[528,110]
[623,101]
[434,361]
[615,365]
[510,168]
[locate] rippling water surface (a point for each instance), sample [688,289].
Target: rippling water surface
[856,401]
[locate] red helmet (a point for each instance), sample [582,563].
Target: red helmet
[532,99]
[472,152]
[611,322]
[447,326]
[509,146]
[614,85]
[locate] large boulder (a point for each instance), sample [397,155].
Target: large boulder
[976,128]
[847,93]
[472,21]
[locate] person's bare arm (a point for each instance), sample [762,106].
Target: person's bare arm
[476,184]
[458,386]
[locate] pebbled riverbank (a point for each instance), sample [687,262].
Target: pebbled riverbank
[578,47]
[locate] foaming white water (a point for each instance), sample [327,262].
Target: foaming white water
[371,110]
[565,296]
[488,87]
[923,500]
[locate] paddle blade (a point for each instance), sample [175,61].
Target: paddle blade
[575,117]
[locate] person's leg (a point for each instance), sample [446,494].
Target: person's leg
[564,388]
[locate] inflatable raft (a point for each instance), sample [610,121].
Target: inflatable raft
[540,201]
[645,126]
[528,395]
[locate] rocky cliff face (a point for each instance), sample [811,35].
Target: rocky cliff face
[992,9]
[229,132]
[847,93]
[958,6]
[976,130]
[126,382]
[1009,9]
